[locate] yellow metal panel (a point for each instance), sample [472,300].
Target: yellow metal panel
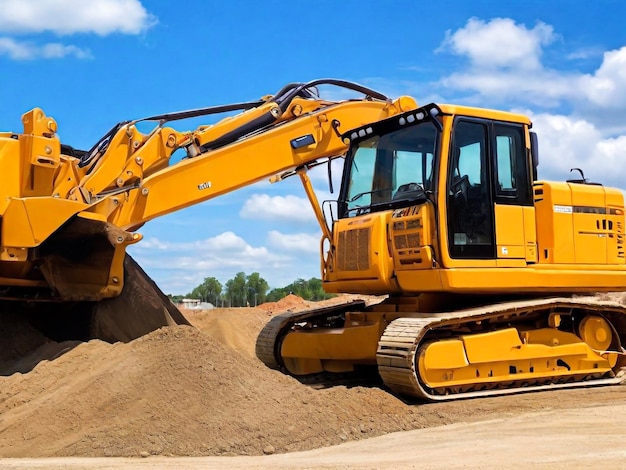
[509,222]
[512,252]
[471,263]
[530,234]
[302,366]
[517,262]
[506,344]
[555,226]
[486,347]
[411,237]
[416,281]
[579,223]
[589,223]
[442,194]
[362,252]
[538,278]
[28,222]
[16,229]
[448,354]
[563,224]
[501,356]
[485,113]
[10,171]
[354,343]
[615,217]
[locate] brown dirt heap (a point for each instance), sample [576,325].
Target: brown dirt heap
[187,391]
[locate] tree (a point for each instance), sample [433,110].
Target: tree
[308,290]
[257,288]
[196,293]
[208,291]
[253,290]
[212,289]
[236,290]
[316,289]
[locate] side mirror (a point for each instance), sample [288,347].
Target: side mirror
[534,152]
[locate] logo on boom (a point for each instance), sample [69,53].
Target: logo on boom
[203,186]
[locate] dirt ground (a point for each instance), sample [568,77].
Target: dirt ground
[200,391]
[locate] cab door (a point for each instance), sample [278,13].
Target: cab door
[490,213]
[470,208]
[513,209]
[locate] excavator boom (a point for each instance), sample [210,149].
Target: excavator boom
[68,216]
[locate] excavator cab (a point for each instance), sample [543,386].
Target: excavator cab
[444,199]
[445,178]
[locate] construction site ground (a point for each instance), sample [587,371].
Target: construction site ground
[184,397]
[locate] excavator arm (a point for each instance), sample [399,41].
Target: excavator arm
[67,216]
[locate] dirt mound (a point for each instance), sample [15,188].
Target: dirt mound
[187,391]
[236,328]
[293,303]
[175,391]
[290,303]
[18,338]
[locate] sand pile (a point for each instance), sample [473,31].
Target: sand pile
[187,391]
[178,391]
[289,303]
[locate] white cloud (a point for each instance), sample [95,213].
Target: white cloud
[226,242]
[64,17]
[221,256]
[24,50]
[56,50]
[505,64]
[566,142]
[180,266]
[298,242]
[505,68]
[500,43]
[606,88]
[585,53]
[283,208]
[543,88]
[153,244]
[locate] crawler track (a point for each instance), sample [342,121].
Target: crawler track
[400,344]
[406,337]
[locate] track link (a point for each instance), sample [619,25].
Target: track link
[396,355]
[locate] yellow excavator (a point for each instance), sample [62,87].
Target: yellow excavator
[439,209]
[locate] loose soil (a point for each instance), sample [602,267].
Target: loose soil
[200,391]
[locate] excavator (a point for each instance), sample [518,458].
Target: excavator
[486,270]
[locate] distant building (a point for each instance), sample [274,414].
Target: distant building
[195,304]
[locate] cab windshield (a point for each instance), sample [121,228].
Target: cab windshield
[390,170]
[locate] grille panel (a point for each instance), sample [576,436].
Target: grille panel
[354,250]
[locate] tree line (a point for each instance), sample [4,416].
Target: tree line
[251,290]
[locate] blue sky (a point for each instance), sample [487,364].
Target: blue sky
[92,64]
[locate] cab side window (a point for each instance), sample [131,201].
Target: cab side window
[512,177]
